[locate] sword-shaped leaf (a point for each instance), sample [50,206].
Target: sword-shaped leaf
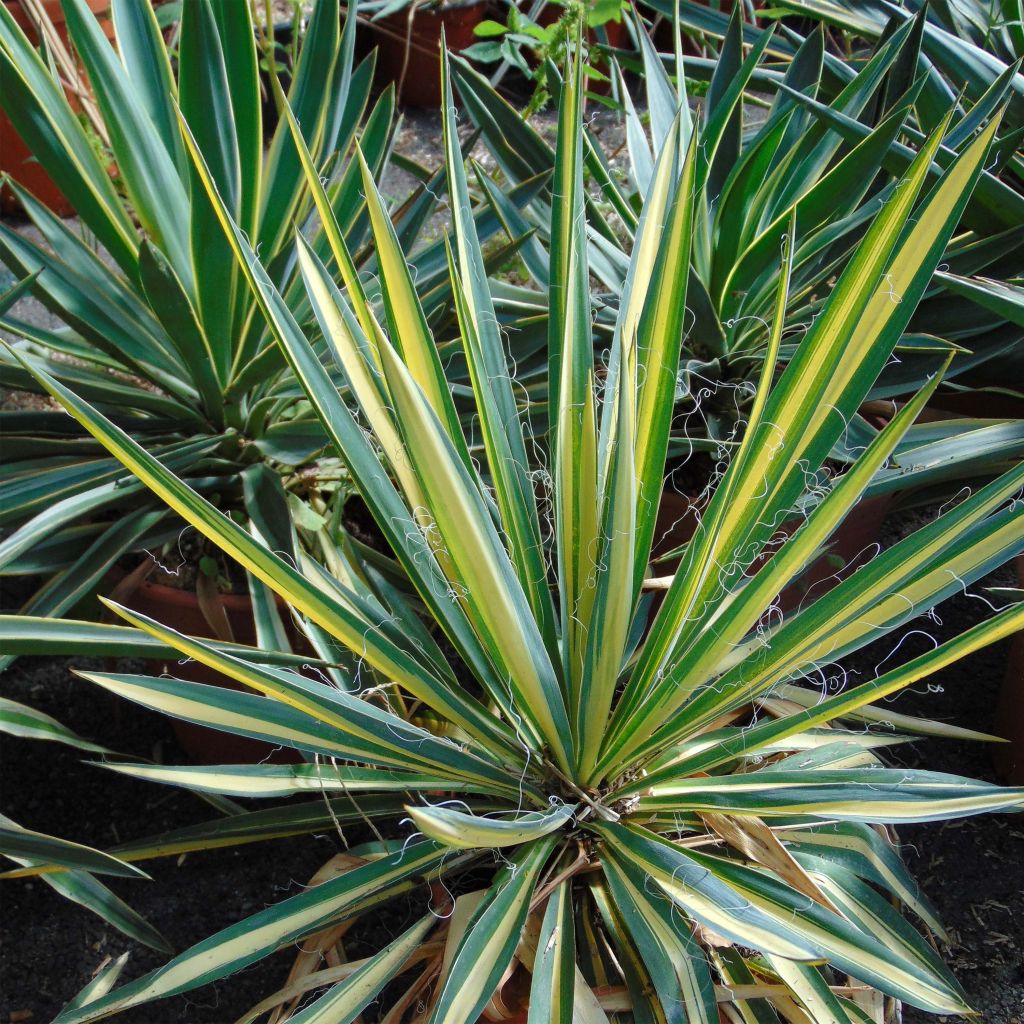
[343,1002]
[876,795]
[464,831]
[280,780]
[24,844]
[769,915]
[243,943]
[676,963]
[496,405]
[482,576]
[572,415]
[490,938]
[554,964]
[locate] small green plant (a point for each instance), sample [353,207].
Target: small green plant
[530,42]
[280,56]
[653,807]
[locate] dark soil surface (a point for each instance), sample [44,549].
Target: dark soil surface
[973,870]
[50,947]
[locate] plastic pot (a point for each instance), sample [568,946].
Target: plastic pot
[180,609]
[409,47]
[16,158]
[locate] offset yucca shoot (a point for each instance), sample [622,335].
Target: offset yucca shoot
[678,824]
[833,145]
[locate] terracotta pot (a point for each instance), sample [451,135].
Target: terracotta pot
[850,546]
[1009,720]
[15,157]
[180,610]
[409,54]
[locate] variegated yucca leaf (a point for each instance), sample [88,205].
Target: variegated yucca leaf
[163,337]
[681,827]
[155,324]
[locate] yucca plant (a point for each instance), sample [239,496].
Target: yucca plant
[970,42]
[831,146]
[157,328]
[650,811]
[964,55]
[966,46]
